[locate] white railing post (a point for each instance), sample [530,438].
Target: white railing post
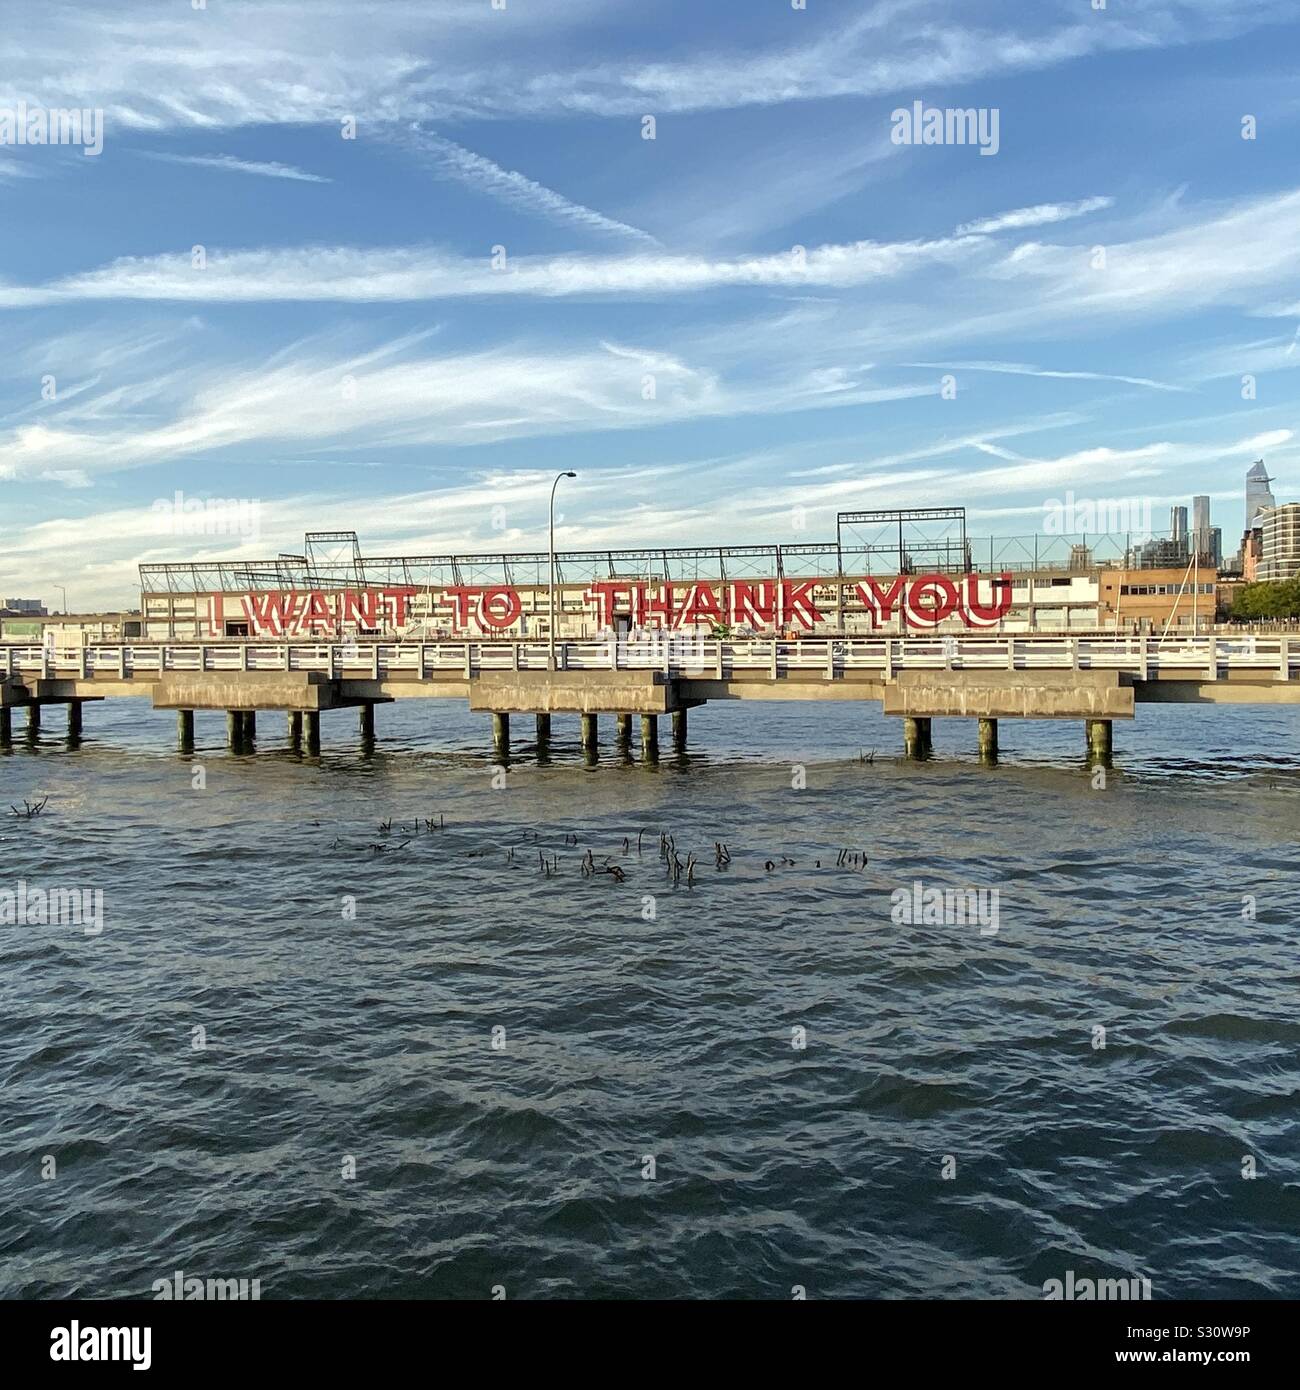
[774,669]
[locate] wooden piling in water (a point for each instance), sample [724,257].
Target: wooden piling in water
[679,730]
[989,740]
[1100,739]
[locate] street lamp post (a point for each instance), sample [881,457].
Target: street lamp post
[551,590]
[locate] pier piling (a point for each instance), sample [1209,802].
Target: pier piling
[1099,734]
[624,730]
[74,718]
[589,733]
[650,736]
[311,719]
[543,730]
[367,723]
[679,730]
[185,730]
[33,720]
[6,729]
[250,726]
[989,740]
[234,729]
[501,735]
[916,737]
[295,729]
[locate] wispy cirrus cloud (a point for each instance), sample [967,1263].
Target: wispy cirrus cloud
[311,61]
[395,396]
[1024,369]
[478,172]
[229,164]
[358,275]
[1041,215]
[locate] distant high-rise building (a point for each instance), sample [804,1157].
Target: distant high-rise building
[1280,550]
[1178,523]
[1258,493]
[1201,525]
[1215,551]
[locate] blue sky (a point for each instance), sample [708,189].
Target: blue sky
[349,356]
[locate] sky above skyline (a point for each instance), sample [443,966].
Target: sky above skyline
[390,266]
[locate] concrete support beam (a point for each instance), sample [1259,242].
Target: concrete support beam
[916,737]
[366,723]
[589,732]
[989,740]
[311,720]
[501,735]
[543,729]
[185,730]
[295,728]
[679,730]
[1099,733]
[650,736]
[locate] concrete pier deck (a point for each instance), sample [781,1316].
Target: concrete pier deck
[1093,677]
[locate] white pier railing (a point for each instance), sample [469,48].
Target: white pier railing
[1205,657]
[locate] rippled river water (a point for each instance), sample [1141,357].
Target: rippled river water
[573,1086]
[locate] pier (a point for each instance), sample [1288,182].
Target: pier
[1095,679]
